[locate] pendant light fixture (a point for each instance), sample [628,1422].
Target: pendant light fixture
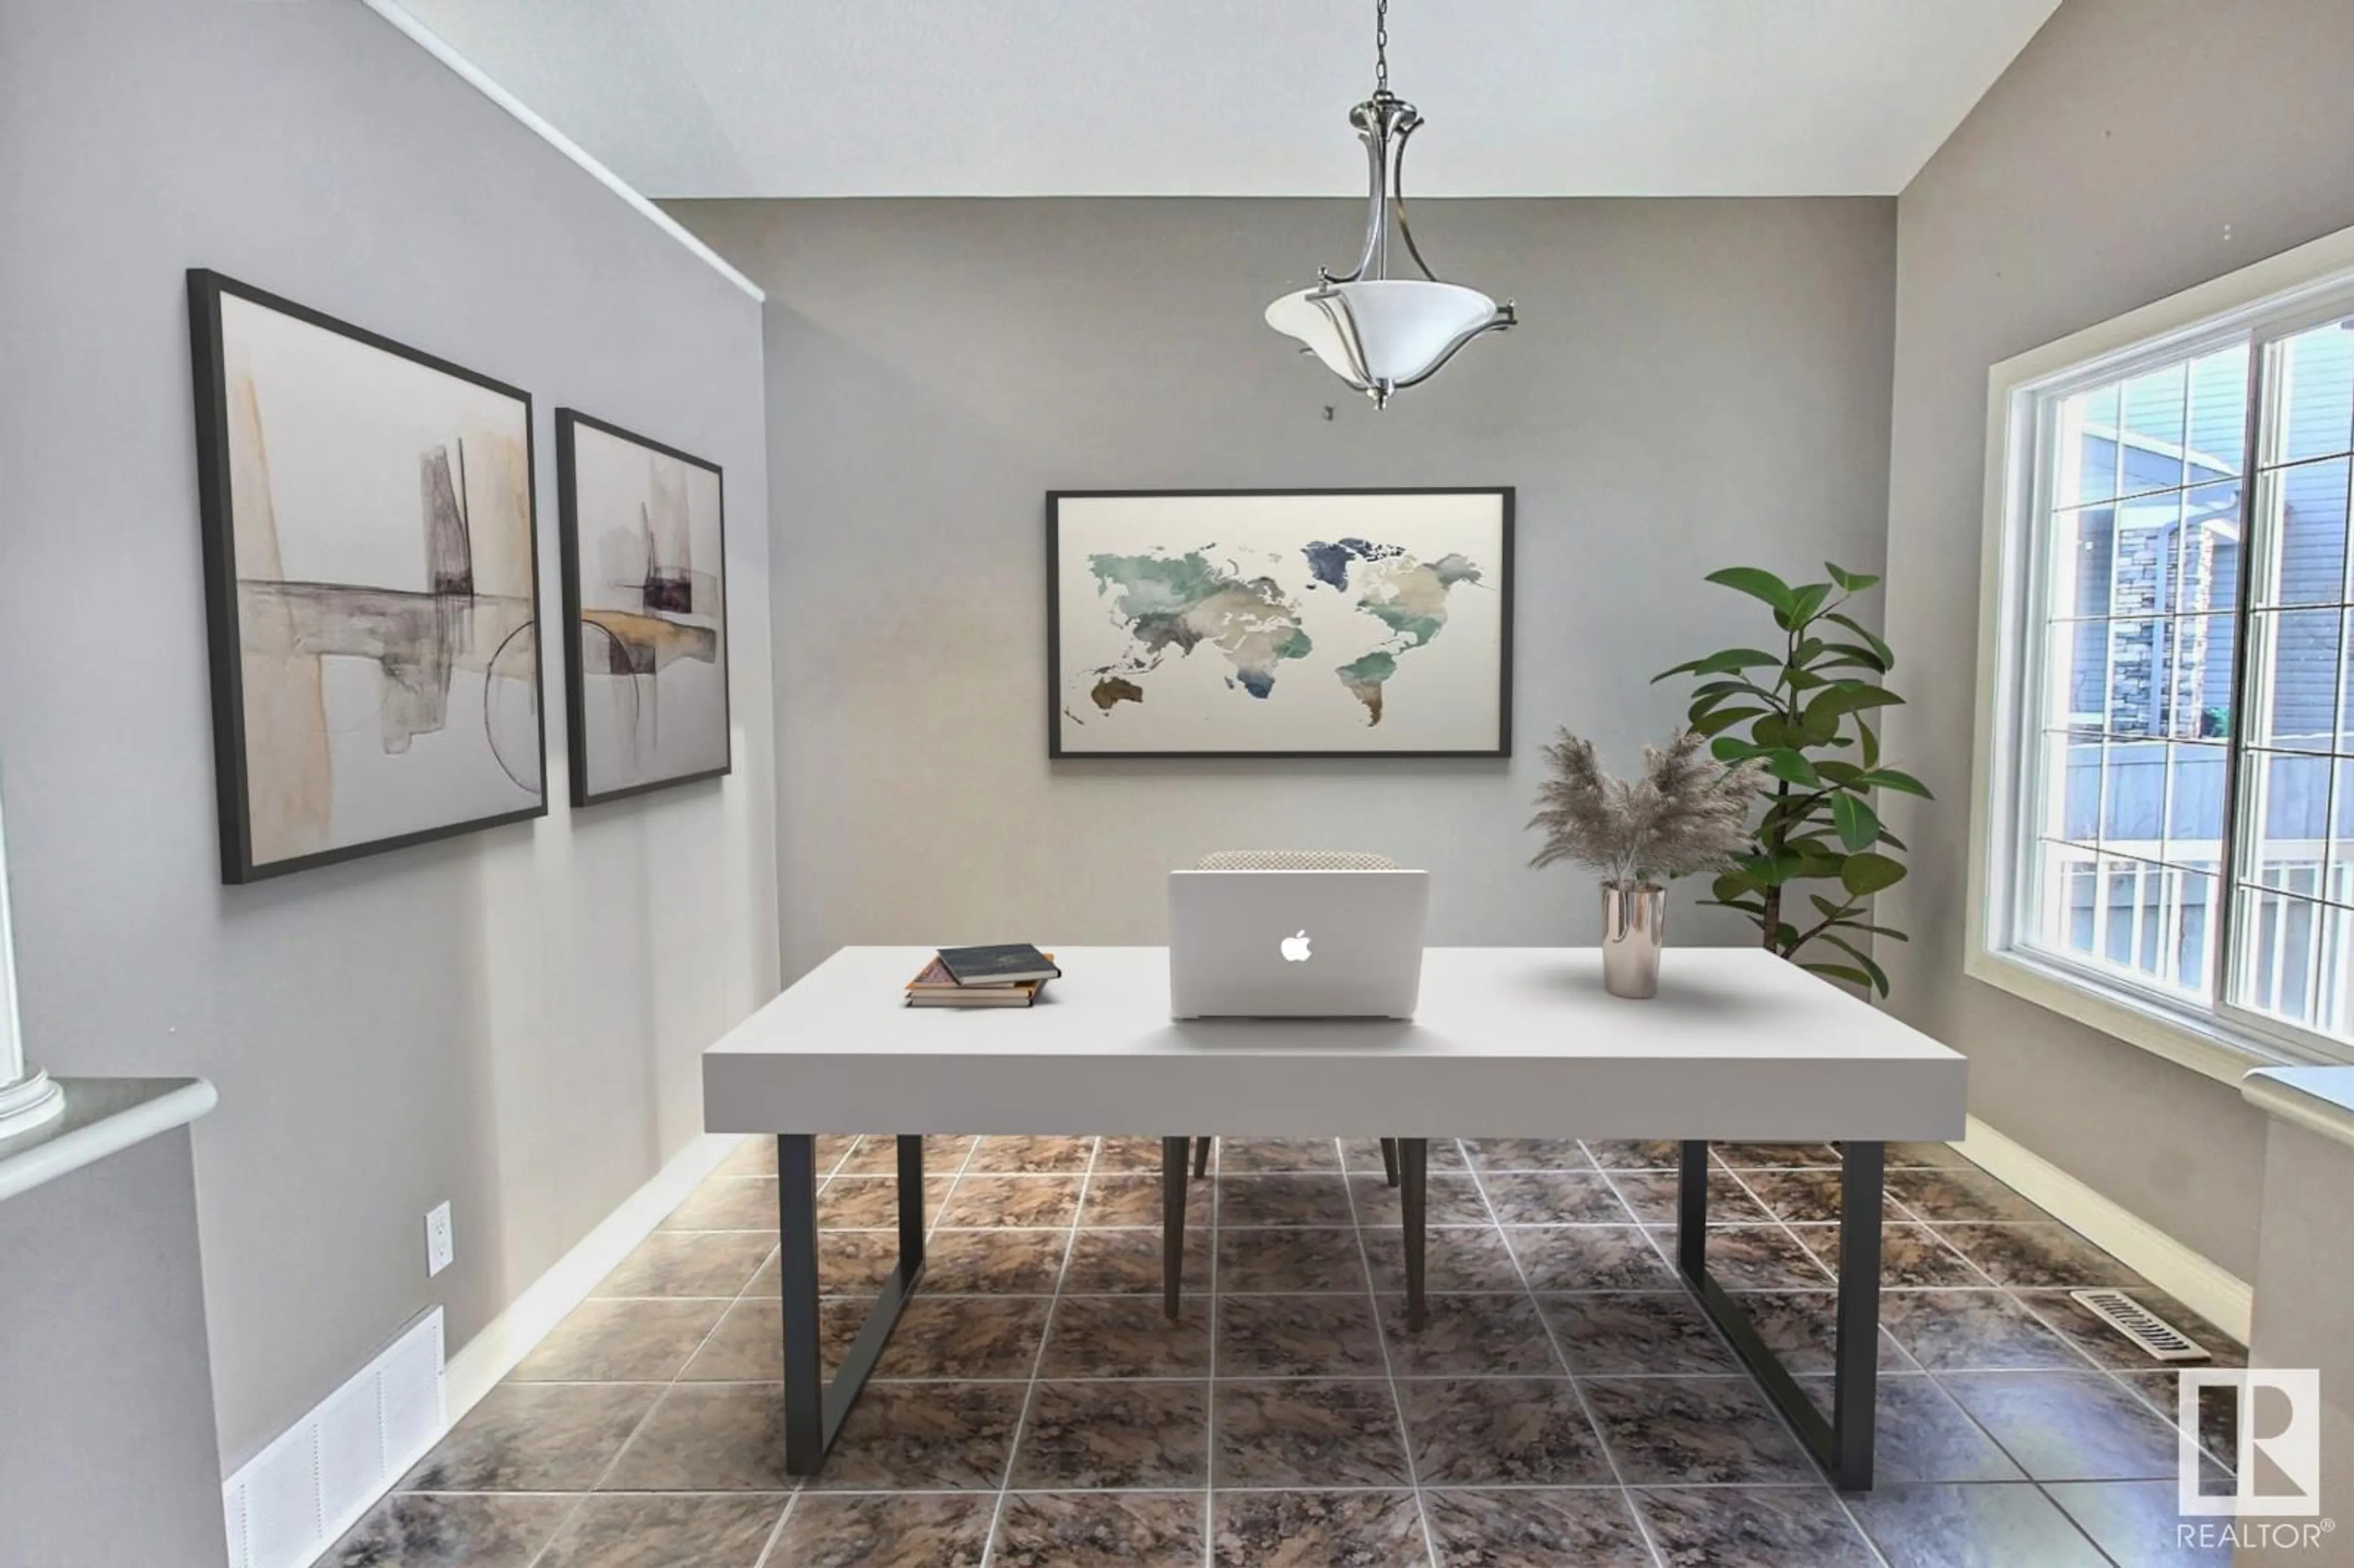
[1377,332]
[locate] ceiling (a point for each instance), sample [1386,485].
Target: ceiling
[833,97]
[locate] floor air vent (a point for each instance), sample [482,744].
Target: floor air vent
[2136,1322]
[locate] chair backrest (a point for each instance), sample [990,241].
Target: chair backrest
[1295,860]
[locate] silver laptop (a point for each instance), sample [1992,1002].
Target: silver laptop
[1296,943]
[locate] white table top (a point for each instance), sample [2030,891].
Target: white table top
[1509,1042]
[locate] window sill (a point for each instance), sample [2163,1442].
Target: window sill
[2205,1046]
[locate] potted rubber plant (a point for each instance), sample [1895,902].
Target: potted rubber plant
[1686,814]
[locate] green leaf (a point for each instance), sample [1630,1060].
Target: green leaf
[1851,582]
[1805,653]
[1791,766]
[1890,932]
[1855,654]
[1721,663]
[1858,824]
[1849,697]
[1871,739]
[1845,774]
[1806,602]
[1769,870]
[1863,961]
[1838,971]
[1733,748]
[1757,583]
[1732,884]
[1722,719]
[1865,875]
[1831,911]
[1870,638]
[1891,841]
[1889,779]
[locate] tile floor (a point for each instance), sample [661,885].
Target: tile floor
[1567,1405]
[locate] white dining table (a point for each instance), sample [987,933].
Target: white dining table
[1739,1045]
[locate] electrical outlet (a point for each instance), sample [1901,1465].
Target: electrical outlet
[441,1246]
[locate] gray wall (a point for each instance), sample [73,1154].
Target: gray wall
[1698,384]
[508,1020]
[2136,147]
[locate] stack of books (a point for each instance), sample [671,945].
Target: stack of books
[1008,975]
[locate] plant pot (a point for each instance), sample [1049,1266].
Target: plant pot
[1633,930]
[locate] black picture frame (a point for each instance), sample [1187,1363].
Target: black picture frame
[207,288]
[576,679]
[1507,496]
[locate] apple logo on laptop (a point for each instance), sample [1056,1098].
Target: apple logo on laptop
[1294,948]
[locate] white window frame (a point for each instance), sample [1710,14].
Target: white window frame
[2222,1042]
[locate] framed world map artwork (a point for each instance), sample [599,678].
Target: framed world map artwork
[1279,622]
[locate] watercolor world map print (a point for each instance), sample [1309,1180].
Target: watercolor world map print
[1331,622]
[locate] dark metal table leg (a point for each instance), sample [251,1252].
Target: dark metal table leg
[1414,1175]
[1173,1221]
[814,1408]
[1842,1445]
[1389,1160]
[1202,1160]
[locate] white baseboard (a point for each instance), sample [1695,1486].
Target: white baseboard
[506,1339]
[2205,1288]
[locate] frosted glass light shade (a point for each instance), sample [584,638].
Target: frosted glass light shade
[1404,327]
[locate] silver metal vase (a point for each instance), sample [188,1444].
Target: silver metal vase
[1634,929]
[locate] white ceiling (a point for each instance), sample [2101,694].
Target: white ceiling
[826,98]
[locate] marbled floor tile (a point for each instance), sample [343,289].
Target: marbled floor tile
[1591,1257]
[1801,1197]
[2137,1525]
[1002,1262]
[935,1532]
[1141,1155]
[878,1155]
[1031,1202]
[1453,1200]
[849,1262]
[408,1531]
[1470,1336]
[534,1438]
[1553,1198]
[2077,1324]
[1919,1434]
[1666,1431]
[1755,1258]
[1290,1259]
[1126,1262]
[1081,1530]
[1489,1154]
[1776,1156]
[643,1532]
[758,1156]
[1644,1154]
[1031,1156]
[1754,1528]
[974,1338]
[709,1437]
[1801,1326]
[1636,1335]
[1924,1157]
[924,1436]
[1965,1194]
[2218,1413]
[2037,1256]
[1298,1336]
[1306,1431]
[1239,1156]
[1116,1198]
[748,1344]
[1489,1431]
[1363,1156]
[683,1263]
[622,1341]
[1971,1527]
[1300,1198]
[1127,1336]
[1531,1529]
[1454,1258]
[1653,1196]
[1912,1256]
[728,1204]
[2069,1426]
[1973,1331]
[869,1203]
[1318,1529]
[1129,1432]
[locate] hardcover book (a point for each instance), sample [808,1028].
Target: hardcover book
[1010,963]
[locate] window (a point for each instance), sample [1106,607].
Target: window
[2168,827]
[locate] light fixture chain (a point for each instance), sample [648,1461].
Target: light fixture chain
[1380,46]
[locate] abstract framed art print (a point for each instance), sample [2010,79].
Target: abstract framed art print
[372,586]
[1280,623]
[645,608]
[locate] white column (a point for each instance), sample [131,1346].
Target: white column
[27,1098]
